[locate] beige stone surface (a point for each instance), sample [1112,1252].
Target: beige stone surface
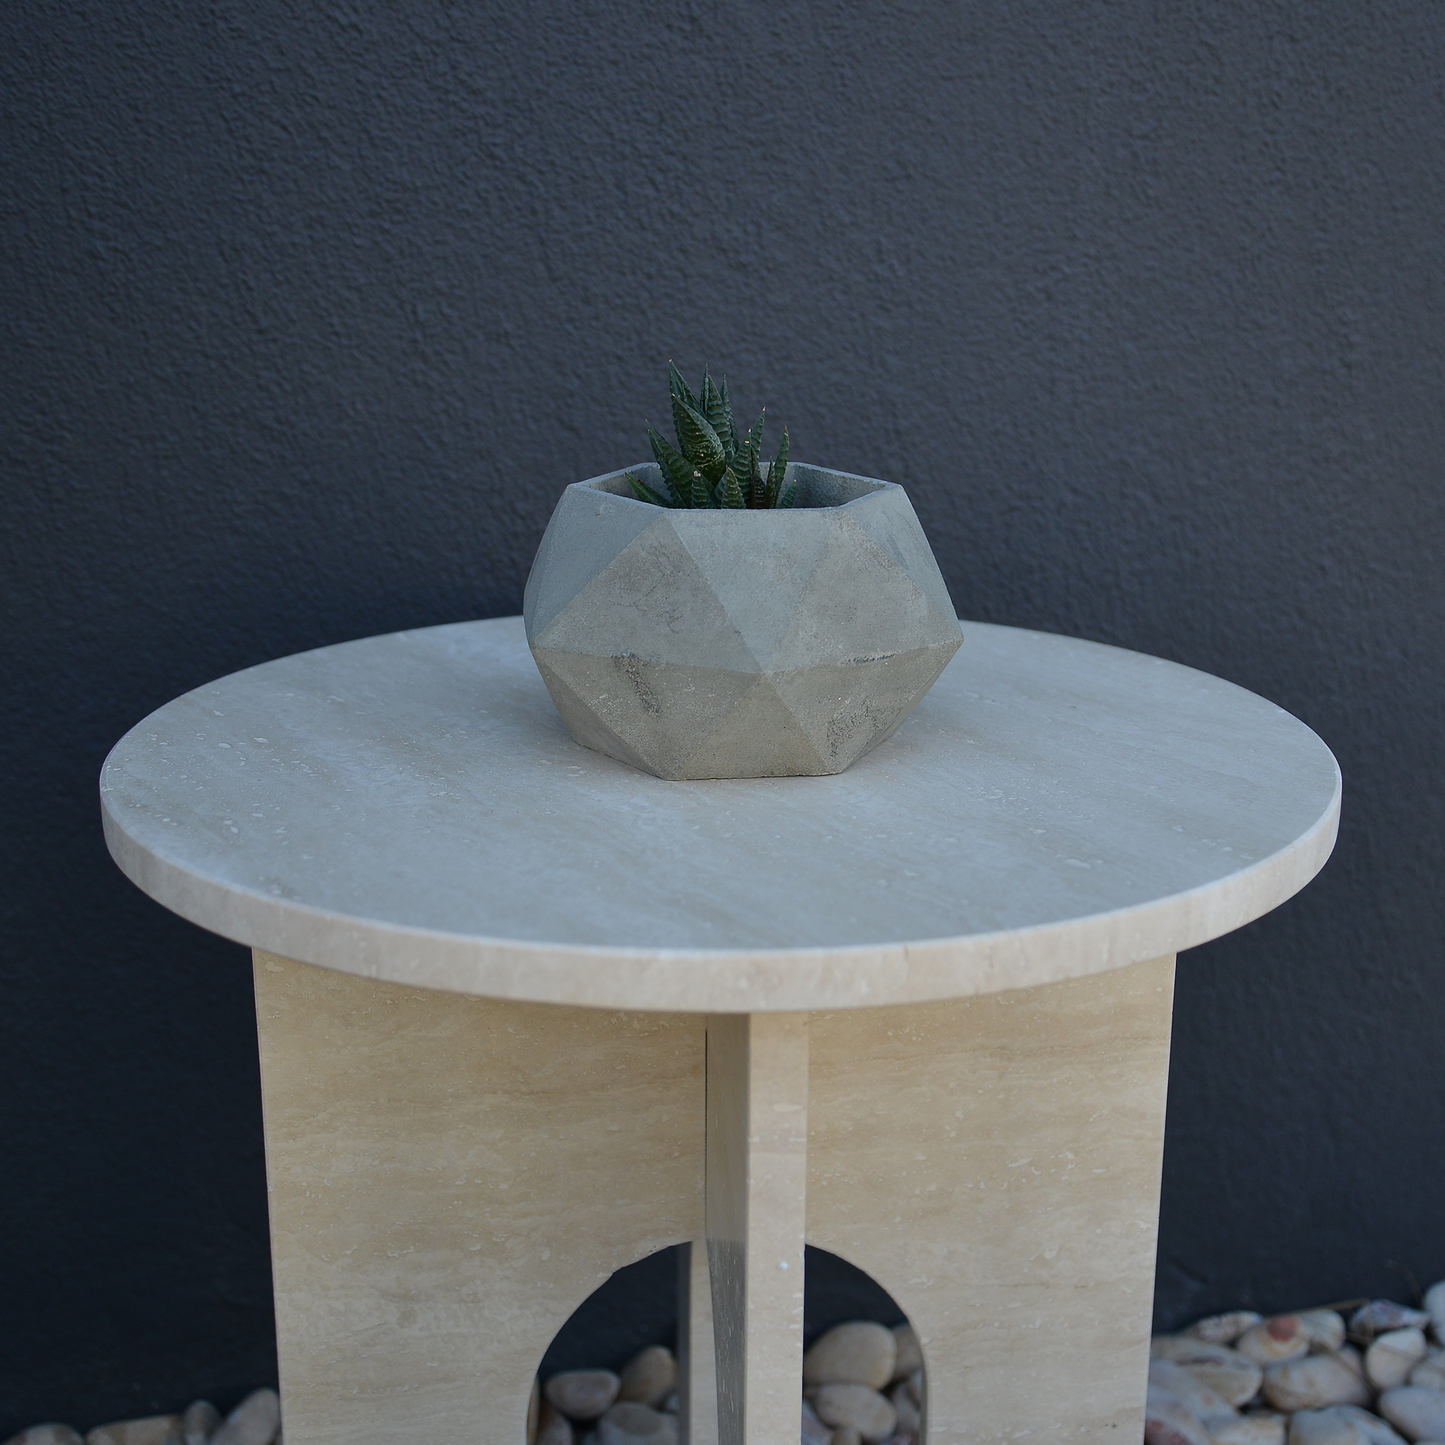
[994,1163]
[411,808]
[449,1178]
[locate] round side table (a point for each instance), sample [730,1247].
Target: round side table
[527,1015]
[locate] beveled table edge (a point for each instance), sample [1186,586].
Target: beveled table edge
[730,980]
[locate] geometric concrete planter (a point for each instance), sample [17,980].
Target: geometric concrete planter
[738,644]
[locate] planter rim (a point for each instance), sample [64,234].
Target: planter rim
[876,487]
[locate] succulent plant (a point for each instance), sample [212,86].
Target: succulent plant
[711,466]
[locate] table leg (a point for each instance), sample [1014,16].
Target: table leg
[449,1178]
[696,1360]
[757,1164]
[994,1164]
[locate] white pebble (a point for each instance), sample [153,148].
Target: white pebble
[1325,1330]
[1389,1361]
[1167,1422]
[814,1431]
[1417,1412]
[858,1353]
[254,1421]
[910,1417]
[629,1422]
[1435,1307]
[1381,1315]
[553,1427]
[1279,1338]
[1314,1382]
[1335,1425]
[582,1394]
[200,1422]
[1196,1397]
[1430,1372]
[1223,1329]
[149,1430]
[1262,1428]
[1236,1380]
[649,1376]
[909,1352]
[855,1407]
[1186,1350]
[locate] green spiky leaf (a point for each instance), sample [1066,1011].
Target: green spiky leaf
[754,444]
[731,494]
[680,389]
[790,496]
[719,414]
[778,471]
[701,493]
[676,469]
[645,493]
[700,444]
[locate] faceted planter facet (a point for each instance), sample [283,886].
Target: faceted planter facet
[738,644]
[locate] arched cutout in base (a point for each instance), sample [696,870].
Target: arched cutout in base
[638,1309]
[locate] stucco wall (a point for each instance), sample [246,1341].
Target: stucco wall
[311,311]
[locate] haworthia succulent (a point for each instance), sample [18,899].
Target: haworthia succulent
[712,466]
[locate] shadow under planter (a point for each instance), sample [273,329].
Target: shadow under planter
[738,644]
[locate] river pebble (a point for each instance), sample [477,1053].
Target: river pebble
[909,1355]
[553,1427]
[1224,1329]
[1324,1329]
[1430,1372]
[582,1394]
[856,1407]
[149,1430]
[1389,1361]
[649,1376]
[815,1432]
[1196,1397]
[255,1421]
[1262,1427]
[1272,1341]
[857,1353]
[1167,1422]
[910,1417]
[200,1421]
[630,1422]
[1435,1308]
[1416,1411]
[1314,1382]
[1340,1425]
[1382,1315]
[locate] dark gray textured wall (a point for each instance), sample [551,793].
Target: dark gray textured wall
[311,311]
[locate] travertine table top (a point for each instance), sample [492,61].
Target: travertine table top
[410,807]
